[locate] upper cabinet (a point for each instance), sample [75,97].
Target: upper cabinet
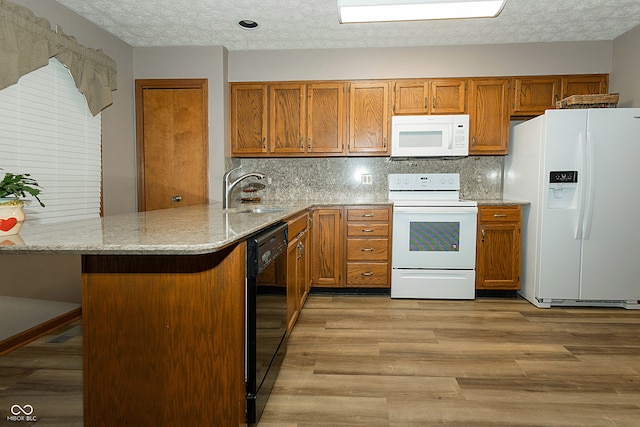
[584,85]
[369,118]
[442,96]
[533,95]
[326,112]
[488,116]
[339,118]
[287,118]
[249,114]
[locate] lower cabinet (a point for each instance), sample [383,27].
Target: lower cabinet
[298,260]
[368,247]
[351,246]
[499,248]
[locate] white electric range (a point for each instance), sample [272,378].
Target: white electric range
[434,237]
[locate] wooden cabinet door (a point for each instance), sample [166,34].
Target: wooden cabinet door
[249,123]
[172,140]
[292,283]
[304,276]
[488,116]
[369,118]
[499,248]
[326,118]
[584,85]
[327,249]
[532,96]
[287,118]
[411,97]
[447,96]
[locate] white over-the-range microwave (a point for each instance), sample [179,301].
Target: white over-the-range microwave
[430,136]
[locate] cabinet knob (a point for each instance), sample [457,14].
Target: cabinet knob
[367,215]
[499,215]
[367,274]
[367,230]
[367,249]
[176,198]
[482,232]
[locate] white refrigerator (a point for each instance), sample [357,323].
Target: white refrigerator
[580,170]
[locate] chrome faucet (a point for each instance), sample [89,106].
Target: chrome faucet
[228,187]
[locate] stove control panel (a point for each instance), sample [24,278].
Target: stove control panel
[424,182]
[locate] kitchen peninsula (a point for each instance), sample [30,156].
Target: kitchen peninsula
[163,310]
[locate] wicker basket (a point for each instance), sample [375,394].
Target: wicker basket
[601,100]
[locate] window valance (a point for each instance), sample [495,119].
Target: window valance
[27,42]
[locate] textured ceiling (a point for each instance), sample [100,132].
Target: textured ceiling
[308,24]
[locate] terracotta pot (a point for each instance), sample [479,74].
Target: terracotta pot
[11,216]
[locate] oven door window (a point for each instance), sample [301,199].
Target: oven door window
[434,237]
[425,236]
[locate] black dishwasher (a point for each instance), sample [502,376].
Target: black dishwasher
[266,315]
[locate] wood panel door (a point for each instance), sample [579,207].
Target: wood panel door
[172,143]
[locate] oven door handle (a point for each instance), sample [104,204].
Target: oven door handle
[435,209]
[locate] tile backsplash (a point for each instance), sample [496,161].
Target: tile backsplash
[291,179]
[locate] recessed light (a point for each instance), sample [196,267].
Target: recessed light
[248,24]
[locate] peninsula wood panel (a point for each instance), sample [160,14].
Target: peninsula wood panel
[163,339]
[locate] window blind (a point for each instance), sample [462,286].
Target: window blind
[47,130]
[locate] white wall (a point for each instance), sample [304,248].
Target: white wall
[439,61]
[625,76]
[195,62]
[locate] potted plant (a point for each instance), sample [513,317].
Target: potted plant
[12,188]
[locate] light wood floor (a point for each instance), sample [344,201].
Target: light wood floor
[373,361]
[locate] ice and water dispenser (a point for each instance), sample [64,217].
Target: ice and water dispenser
[563,186]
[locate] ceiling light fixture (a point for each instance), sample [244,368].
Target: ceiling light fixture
[248,24]
[416,10]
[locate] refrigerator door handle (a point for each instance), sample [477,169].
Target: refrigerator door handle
[582,141]
[588,215]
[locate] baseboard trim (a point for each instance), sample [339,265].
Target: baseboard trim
[37,331]
[349,291]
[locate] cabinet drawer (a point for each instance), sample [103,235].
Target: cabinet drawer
[498,213]
[372,214]
[297,224]
[368,249]
[374,274]
[365,229]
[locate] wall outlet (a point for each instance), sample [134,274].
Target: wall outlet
[366,179]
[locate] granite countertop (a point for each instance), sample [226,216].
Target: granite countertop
[190,230]
[502,202]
